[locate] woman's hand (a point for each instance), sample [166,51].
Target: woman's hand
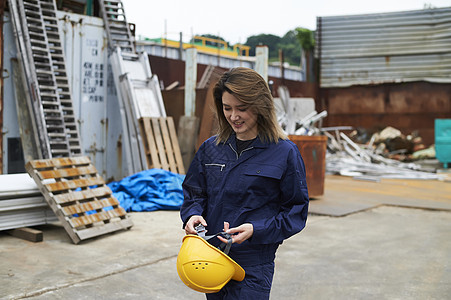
[239,234]
[192,222]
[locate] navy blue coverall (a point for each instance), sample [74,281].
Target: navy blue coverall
[265,185]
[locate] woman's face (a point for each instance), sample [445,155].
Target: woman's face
[240,116]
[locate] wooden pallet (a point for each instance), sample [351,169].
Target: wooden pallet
[161,144]
[78,196]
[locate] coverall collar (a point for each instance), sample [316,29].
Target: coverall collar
[257,143]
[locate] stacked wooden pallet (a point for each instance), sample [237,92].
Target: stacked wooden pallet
[78,196]
[161,144]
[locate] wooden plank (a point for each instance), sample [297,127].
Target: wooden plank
[88,206]
[99,192]
[143,124]
[68,172]
[175,146]
[172,86]
[159,143]
[167,145]
[81,208]
[87,220]
[26,233]
[94,231]
[73,184]
[152,147]
[97,217]
[60,162]
[109,202]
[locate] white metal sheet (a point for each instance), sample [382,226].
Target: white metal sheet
[147,103]
[17,184]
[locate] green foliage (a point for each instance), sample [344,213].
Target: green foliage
[288,44]
[305,38]
[291,48]
[264,39]
[291,44]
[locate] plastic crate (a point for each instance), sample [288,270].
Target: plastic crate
[443,141]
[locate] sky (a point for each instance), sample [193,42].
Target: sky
[236,20]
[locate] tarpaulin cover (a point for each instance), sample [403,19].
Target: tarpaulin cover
[149,190]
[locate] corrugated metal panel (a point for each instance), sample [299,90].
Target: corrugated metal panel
[387,47]
[290,73]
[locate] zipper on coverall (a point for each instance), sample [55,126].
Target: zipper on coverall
[237,156]
[219,165]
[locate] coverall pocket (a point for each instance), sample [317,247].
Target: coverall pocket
[260,277]
[262,179]
[214,174]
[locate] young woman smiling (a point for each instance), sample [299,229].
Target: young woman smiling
[248,180]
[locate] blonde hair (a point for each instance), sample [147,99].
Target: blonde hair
[250,88]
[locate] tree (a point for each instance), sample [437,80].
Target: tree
[269,40]
[305,38]
[288,43]
[307,41]
[291,48]
[291,44]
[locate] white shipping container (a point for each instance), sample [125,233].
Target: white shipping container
[93,94]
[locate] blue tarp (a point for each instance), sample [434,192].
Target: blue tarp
[149,190]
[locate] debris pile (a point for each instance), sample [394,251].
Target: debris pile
[363,154]
[384,154]
[311,124]
[391,143]
[297,116]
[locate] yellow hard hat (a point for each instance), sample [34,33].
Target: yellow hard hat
[205,268]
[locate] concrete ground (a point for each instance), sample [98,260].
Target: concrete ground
[363,240]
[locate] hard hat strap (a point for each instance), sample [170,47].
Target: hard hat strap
[224,247]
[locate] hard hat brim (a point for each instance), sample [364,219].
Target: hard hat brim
[196,254]
[239,271]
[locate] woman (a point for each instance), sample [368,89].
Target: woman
[248,180]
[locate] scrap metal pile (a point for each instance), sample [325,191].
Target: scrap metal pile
[374,159]
[360,154]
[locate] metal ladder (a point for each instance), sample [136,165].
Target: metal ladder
[41,54]
[138,89]
[116,26]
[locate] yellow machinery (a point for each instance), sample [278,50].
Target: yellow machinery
[208,45]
